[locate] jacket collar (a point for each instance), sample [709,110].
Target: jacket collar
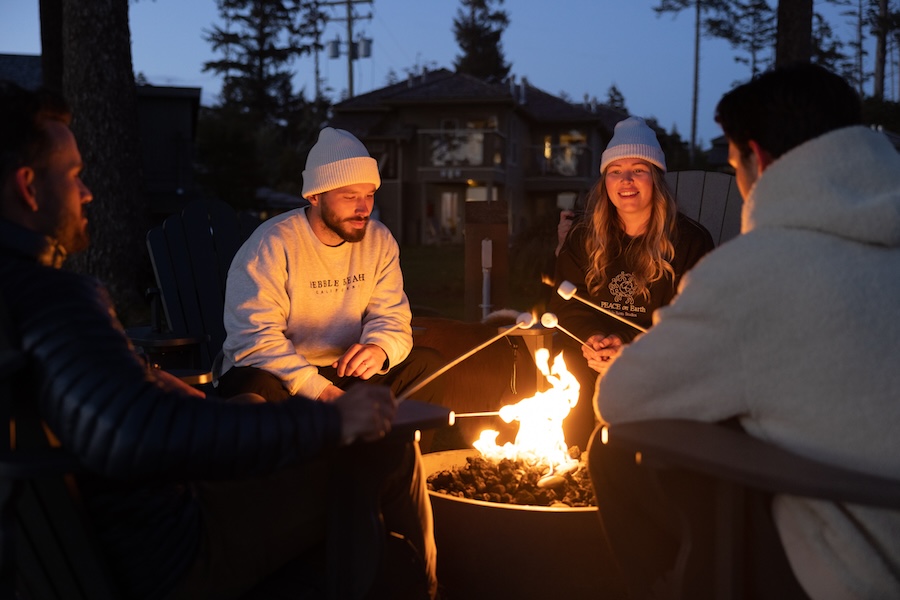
[17,240]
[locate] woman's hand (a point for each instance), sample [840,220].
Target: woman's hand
[601,351]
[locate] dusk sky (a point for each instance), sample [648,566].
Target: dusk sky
[571,47]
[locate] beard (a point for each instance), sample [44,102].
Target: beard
[341,226]
[72,233]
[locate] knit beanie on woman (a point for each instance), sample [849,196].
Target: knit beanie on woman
[338,159]
[633,138]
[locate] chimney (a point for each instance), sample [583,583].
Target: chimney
[522,91]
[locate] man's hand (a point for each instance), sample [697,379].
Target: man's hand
[367,412]
[562,230]
[601,351]
[330,394]
[361,361]
[170,383]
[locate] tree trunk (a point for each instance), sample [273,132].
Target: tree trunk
[793,41]
[98,82]
[51,44]
[881,31]
[696,80]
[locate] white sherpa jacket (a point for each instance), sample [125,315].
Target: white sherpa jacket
[794,326]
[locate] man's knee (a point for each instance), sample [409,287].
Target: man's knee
[251,380]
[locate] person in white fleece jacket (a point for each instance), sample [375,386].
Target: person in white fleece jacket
[314,298]
[793,330]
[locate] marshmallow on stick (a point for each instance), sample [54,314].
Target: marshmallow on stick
[567,291]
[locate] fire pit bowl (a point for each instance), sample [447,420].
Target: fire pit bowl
[494,550]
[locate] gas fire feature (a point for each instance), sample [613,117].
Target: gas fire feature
[493,550]
[504,550]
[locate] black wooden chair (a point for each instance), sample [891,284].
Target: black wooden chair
[710,198]
[739,465]
[191,253]
[47,548]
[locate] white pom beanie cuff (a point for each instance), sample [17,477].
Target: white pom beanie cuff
[633,138]
[338,159]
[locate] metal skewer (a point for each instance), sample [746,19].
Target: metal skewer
[567,291]
[524,321]
[490,413]
[549,320]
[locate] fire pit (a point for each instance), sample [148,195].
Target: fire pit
[499,550]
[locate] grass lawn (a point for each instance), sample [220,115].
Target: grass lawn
[434,278]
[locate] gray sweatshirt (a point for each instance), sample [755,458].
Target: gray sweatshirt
[293,303]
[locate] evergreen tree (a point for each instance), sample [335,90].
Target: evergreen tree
[749,27]
[478,29]
[258,134]
[615,99]
[260,40]
[713,7]
[827,49]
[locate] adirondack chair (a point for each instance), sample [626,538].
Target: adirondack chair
[191,253]
[739,465]
[47,549]
[711,198]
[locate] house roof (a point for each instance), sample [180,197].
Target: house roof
[23,69]
[364,113]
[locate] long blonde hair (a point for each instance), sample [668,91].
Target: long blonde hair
[605,239]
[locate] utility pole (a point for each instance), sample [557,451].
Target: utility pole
[355,50]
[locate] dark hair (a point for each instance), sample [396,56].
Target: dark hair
[787,106]
[23,114]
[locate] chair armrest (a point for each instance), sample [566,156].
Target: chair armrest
[735,456]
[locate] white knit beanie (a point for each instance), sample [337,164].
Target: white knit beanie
[633,138]
[338,159]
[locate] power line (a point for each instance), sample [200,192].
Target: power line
[361,48]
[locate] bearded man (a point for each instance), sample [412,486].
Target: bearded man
[314,298]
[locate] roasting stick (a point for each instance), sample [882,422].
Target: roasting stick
[490,413]
[549,320]
[567,291]
[524,321]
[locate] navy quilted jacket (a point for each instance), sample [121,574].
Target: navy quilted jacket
[140,445]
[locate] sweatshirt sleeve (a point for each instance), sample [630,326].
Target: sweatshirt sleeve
[689,364]
[387,320]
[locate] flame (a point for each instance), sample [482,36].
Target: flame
[540,437]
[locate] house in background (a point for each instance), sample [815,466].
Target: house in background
[448,143]
[167,118]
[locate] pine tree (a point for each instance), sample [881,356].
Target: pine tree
[260,40]
[257,135]
[615,99]
[749,27]
[478,29]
